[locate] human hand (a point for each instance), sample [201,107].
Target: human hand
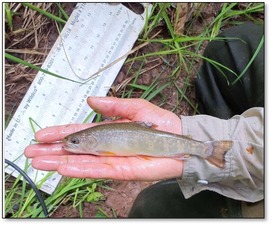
[48,154]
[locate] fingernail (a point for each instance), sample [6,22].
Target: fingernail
[94,97]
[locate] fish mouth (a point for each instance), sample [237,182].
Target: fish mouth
[69,148]
[72,149]
[66,147]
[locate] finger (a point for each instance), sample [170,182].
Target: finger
[52,162]
[95,171]
[127,108]
[118,168]
[125,168]
[34,150]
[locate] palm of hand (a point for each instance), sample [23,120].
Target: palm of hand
[49,155]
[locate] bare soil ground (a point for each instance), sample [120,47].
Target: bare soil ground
[35,39]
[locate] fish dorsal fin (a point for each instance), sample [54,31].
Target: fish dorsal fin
[146,124]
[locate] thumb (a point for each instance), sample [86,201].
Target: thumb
[136,109]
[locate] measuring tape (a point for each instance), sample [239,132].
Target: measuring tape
[95,35]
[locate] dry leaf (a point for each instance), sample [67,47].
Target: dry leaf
[179,18]
[250,149]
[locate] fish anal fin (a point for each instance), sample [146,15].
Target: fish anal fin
[107,153]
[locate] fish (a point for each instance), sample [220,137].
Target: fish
[141,139]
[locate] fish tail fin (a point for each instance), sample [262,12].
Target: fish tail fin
[219,149]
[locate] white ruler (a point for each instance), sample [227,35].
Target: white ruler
[95,35]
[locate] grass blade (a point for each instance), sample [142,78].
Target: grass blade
[139,86]
[157,91]
[156,18]
[44,12]
[62,11]
[33,123]
[18,60]
[186,98]
[250,61]
[8,16]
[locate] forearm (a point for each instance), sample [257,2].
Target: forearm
[242,176]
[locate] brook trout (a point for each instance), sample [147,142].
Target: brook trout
[140,139]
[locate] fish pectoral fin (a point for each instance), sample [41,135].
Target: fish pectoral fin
[144,157]
[181,156]
[107,153]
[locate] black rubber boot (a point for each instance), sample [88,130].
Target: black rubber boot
[165,200]
[216,94]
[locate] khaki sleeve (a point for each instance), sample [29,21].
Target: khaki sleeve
[242,177]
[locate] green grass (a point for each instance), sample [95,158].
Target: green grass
[30,65]
[8,16]
[181,45]
[20,199]
[45,13]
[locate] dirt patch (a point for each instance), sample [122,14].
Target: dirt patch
[121,200]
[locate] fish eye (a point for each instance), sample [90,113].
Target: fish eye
[75,140]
